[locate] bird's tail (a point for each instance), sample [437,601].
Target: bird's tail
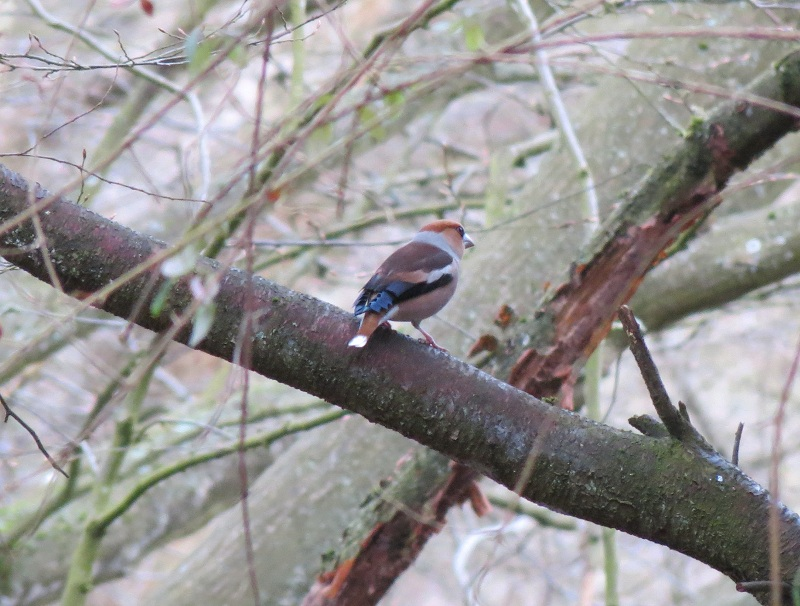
[369,323]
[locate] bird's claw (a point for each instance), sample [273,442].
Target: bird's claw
[433,344]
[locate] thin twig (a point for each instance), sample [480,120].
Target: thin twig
[258,441]
[774,481]
[737,440]
[512,502]
[676,420]
[560,114]
[648,426]
[761,586]
[668,414]
[364,222]
[10,413]
[325,243]
[255,144]
[147,74]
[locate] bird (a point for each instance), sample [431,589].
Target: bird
[415,282]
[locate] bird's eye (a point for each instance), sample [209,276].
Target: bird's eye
[460,231]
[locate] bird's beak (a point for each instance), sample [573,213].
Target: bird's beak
[468,243]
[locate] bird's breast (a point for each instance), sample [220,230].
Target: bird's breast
[426,305]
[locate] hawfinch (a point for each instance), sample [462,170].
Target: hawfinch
[415,282]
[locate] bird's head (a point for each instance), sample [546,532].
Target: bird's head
[453,233]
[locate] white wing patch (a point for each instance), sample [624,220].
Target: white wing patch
[447,270]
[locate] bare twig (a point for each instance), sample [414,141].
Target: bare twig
[150,75]
[658,393]
[737,440]
[10,413]
[774,481]
[784,589]
[505,499]
[648,426]
[676,420]
[561,115]
[326,243]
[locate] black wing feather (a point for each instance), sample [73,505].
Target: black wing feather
[383,300]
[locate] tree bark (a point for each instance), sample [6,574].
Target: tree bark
[739,254]
[305,479]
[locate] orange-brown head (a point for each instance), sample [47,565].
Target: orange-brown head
[453,233]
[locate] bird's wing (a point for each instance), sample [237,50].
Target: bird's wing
[411,271]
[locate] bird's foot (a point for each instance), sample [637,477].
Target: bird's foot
[433,344]
[429,340]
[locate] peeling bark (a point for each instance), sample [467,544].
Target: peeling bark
[403,518]
[679,191]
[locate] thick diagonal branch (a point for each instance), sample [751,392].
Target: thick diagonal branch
[646,487]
